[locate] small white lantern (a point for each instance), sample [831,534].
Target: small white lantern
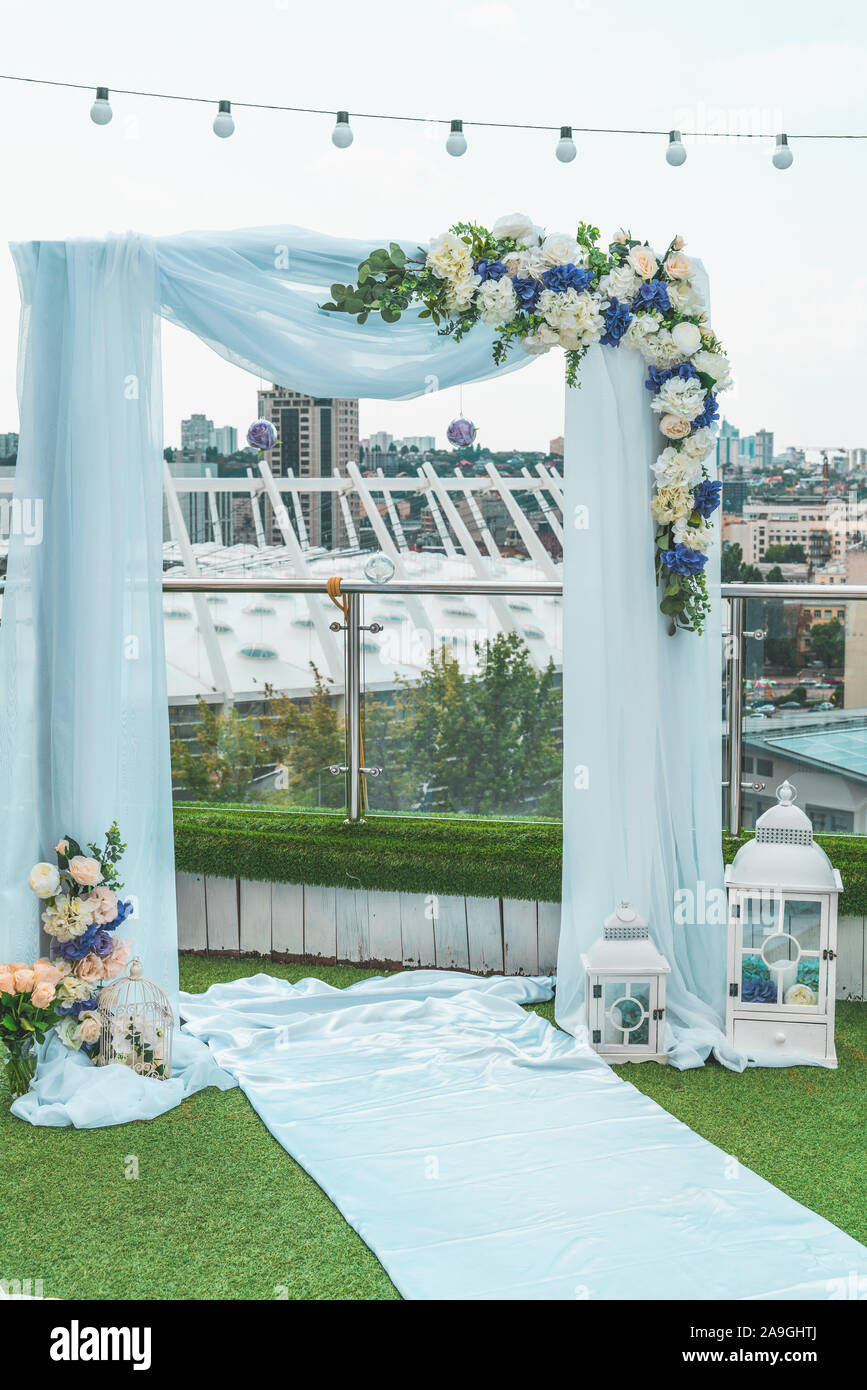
[136,1025]
[626,990]
[783,893]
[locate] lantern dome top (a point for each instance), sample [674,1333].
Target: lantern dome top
[783,853]
[625,947]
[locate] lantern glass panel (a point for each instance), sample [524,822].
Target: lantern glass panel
[626,1013]
[781,961]
[759,916]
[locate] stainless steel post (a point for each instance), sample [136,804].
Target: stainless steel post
[735,721]
[353,705]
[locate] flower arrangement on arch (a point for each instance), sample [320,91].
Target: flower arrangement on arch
[82,911]
[559,290]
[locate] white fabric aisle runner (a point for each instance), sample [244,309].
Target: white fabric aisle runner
[482,1154]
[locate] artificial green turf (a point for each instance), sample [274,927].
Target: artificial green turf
[474,856]
[220,1210]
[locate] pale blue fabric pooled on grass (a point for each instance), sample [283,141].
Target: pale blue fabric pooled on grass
[483,1154]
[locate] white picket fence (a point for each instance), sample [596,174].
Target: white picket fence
[293,921]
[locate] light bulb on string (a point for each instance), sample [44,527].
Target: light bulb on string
[565,150]
[100,111]
[782,156]
[342,135]
[224,124]
[675,154]
[456,144]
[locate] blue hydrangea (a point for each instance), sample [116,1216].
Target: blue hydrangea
[707,497]
[681,560]
[617,320]
[526,292]
[567,277]
[658,376]
[652,294]
[708,415]
[758,992]
[490,270]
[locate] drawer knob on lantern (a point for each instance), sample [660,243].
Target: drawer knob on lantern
[779,1037]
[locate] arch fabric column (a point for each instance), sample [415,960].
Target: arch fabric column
[83,707]
[642,722]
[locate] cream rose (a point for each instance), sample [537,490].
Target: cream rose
[43,994]
[62,847]
[90,968]
[89,1028]
[87,872]
[116,963]
[687,336]
[678,266]
[643,261]
[45,972]
[561,249]
[103,904]
[24,979]
[673,427]
[44,880]
[7,980]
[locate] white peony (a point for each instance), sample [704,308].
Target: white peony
[684,297]
[540,342]
[497,301]
[671,503]
[675,467]
[660,349]
[714,364]
[44,880]
[696,537]
[700,443]
[684,399]
[621,284]
[514,226]
[575,316]
[449,258]
[561,249]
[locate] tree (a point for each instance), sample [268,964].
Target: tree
[791,554]
[827,643]
[774,575]
[731,561]
[750,574]
[225,758]
[306,738]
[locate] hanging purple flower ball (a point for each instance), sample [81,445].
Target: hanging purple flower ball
[262,435]
[461,432]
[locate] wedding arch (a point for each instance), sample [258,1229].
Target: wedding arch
[84,736]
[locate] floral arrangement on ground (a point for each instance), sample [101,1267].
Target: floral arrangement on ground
[544,291]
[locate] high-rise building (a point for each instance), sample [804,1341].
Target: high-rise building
[197,433]
[424,443]
[226,440]
[8,445]
[380,441]
[557,446]
[857,460]
[764,448]
[318,436]
[727,446]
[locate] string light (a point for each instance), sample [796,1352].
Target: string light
[565,150]
[342,135]
[675,154]
[101,114]
[224,125]
[457,141]
[100,111]
[782,156]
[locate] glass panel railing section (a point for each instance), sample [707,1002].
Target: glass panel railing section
[805,708]
[463,706]
[256,685]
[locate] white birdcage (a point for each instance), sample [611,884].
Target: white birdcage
[136,1025]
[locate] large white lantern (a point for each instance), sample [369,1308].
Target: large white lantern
[782,899]
[626,990]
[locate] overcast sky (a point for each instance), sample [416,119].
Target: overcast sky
[784,252]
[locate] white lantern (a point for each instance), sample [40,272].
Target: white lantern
[782,896]
[626,990]
[136,1025]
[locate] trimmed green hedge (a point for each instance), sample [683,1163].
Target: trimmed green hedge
[476,858]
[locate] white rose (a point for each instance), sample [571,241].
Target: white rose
[560,249]
[688,337]
[497,302]
[449,258]
[684,399]
[674,466]
[44,880]
[621,284]
[513,226]
[714,364]
[696,537]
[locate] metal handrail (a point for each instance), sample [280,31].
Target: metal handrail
[204,584]
[811,592]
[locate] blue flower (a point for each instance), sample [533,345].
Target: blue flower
[682,560]
[617,320]
[490,270]
[758,992]
[123,911]
[526,293]
[566,277]
[83,1006]
[79,946]
[707,497]
[660,375]
[651,295]
[708,415]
